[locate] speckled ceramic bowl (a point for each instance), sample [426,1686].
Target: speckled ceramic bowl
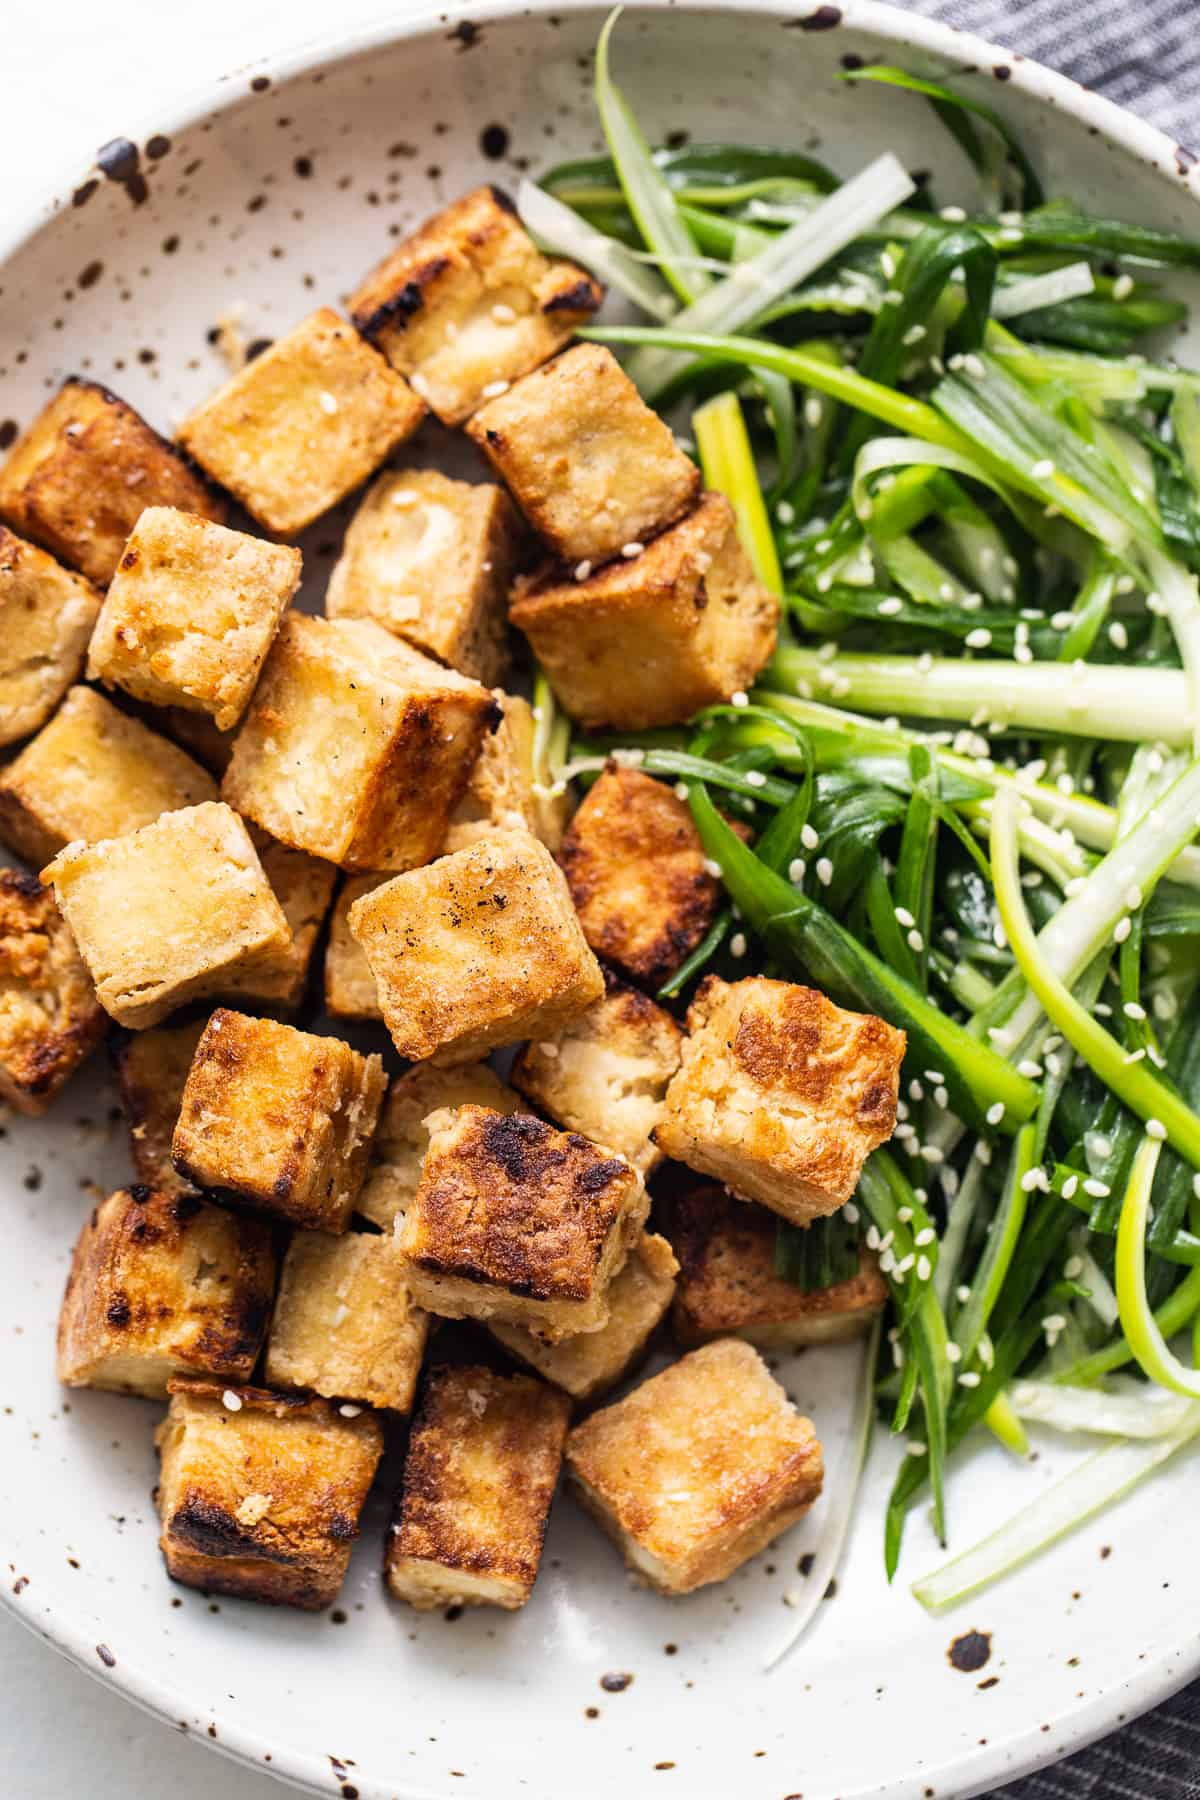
[270,193]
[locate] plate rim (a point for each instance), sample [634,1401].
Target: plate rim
[1169,1669]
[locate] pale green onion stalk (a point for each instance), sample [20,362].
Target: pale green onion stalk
[1138,1086]
[1057,285]
[647,194]
[1177,589]
[843,1492]
[1100,1481]
[1130,704]
[562,230]
[759,281]
[1005,1426]
[1154,1355]
[1141,1413]
[727,459]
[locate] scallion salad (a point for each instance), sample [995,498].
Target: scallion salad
[956,449]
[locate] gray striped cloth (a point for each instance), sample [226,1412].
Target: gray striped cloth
[1145,54]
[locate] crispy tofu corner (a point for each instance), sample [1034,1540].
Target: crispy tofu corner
[698,1468]
[403,1135]
[50,1020]
[781,1095]
[47,614]
[483,1460]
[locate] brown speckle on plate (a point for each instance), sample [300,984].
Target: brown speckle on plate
[120,161]
[824,18]
[466,34]
[970,1651]
[493,141]
[8,432]
[106,1656]
[616,1682]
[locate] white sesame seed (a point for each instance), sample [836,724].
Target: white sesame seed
[1135,1056]
[888,608]
[713,868]
[632,549]
[797,870]
[970,1379]
[1070,1187]
[824,871]
[583,570]
[1073,1268]
[814,412]
[1043,469]
[494,389]
[983,1152]
[915,941]
[739,698]
[915,1090]
[975,365]
[809,837]
[1133,1010]
[1121,930]
[932,1155]
[1164,1005]
[1118,637]
[1033,1178]
[230,1401]
[904,917]
[979,639]
[1156,1129]
[327,402]
[995,1112]
[941,1097]
[681,790]
[737,944]
[924,1268]
[953,1353]
[1054,1322]
[1030,1069]
[755,778]
[503,314]
[953,215]
[927,1236]
[872,1237]
[349,1411]
[851,1213]
[1099,1190]
[1122,287]
[962,1294]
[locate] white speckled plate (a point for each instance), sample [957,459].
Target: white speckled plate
[275,191]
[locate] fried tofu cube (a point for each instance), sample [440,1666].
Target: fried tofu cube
[196,733]
[403,1136]
[651,639]
[191,613]
[279,1117]
[638,875]
[303,886]
[92,773]
[168,913]
[152,1069]
[782,1095]
[344,1322]
[162,1285]
[593,469]
[483,1459]
[605,1073]
[477,949]
[590,1364]
[515,1221]
[83,473]
[303,424]
[46,619]
[355,747]
[50,1021]
[502,794]
[350,991]
[728,1286]
[432,561]
[468,302]
[260,1494]
[697,1469]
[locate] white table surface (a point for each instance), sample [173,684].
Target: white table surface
[74,75]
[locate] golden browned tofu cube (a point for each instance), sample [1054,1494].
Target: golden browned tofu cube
[653,638]
[162,1285]
[50,1021]
[46,619]
[260,1494]
[92,773]
[350,991]
[605,1073]
[478,949]
[483,1459]
[152,1069]
[191,613]
[88,466]
[502,794]
[782,1095]
[595,1361]
[355,747]
[515,1221]
[303,424]
[467,303]
[432,560]
[697,1469]
[280,1117]
[168,913]
[303,886]
[344,1322]
[403,1136]
[593,469]
[638,875]
[728,1286]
